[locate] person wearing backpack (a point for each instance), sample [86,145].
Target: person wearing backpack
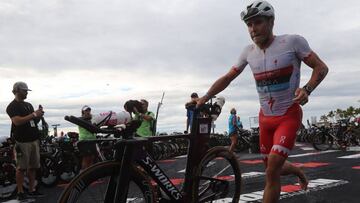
[147,118]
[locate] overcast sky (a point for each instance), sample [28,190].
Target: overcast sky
[103,53]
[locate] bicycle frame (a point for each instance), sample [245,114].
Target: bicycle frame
[128,151]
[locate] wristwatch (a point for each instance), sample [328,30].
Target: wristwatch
[308,89]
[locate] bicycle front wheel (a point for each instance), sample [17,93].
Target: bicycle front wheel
[322,142]
[218,177]
[92,184]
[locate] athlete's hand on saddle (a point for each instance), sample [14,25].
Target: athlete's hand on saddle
[301,97]
[201,101]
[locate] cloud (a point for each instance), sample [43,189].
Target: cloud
[101,54]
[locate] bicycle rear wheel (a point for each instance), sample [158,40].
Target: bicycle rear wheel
[92,184]
[218,177]
[48,172]
[322,142]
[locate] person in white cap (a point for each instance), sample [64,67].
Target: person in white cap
[24,131]
[275,62]
[87,149]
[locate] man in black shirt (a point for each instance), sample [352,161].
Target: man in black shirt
[25,131]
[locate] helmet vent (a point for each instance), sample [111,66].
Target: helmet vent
[266,8]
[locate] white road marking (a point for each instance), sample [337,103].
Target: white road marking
[307,148]
[314,185]
[353,149]
[353,156]
[182,156]
[313,153]
[252,174]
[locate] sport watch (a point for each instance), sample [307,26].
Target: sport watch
[308,89]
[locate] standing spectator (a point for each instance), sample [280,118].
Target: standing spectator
[25,132]
[87,149]
[147,118]
[233,124]
[190,107]
[239,123]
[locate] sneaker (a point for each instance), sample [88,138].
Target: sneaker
[35,194]
[21,196]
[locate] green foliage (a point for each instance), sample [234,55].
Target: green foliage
[342,114]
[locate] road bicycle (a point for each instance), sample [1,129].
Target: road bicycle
[247,140]
[341,135]
[211,174]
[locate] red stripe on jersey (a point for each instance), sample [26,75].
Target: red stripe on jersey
[274,73]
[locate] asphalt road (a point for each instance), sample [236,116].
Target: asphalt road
[334,177]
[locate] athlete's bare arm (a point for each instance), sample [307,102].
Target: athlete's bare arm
[318,74]
[219,85]
[319,69]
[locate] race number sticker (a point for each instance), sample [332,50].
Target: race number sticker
[32,123]
[204,128]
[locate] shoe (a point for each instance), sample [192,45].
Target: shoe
[21,196]
[35,194]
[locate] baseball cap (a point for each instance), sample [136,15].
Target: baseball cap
[194,95]
[20,86]
[85,108]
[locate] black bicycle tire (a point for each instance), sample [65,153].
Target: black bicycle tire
[104,169]
[329,145]
[230,157]
[71,161]
[45,167]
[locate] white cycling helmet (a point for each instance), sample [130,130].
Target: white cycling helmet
[257,8]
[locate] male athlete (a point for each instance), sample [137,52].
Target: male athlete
[275,63]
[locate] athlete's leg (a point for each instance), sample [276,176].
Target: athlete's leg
[234,140]
[266,132]
[275,163]
[289,168]
[284,141]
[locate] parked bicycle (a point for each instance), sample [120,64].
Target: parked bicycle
[7,170]
[340,135]
[128,177]
[59,161]
[248,140]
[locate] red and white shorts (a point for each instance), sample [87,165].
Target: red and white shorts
[278,133]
